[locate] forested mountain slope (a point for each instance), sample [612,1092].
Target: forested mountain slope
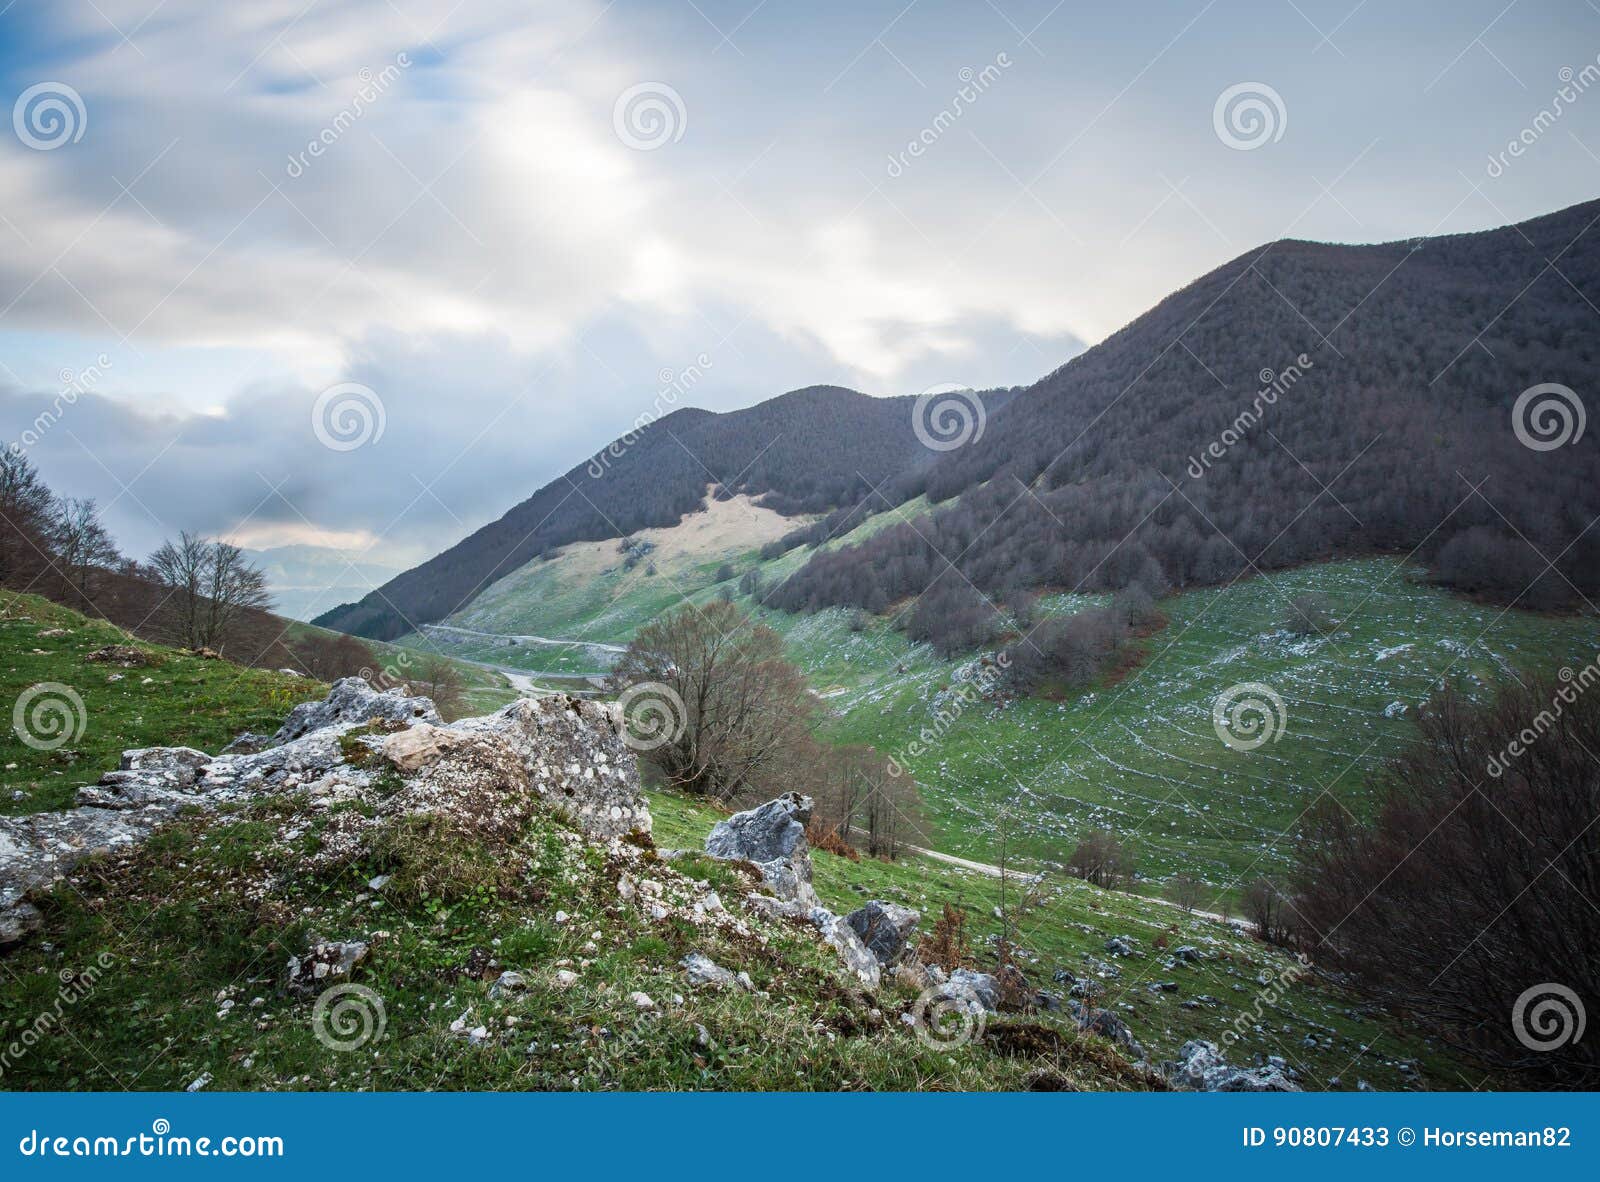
[803,452]
[1300,402]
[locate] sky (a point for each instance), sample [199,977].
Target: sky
[365,274]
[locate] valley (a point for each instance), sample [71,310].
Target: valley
[1138,755]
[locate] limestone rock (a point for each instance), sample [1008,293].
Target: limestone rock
[326,963]
[1200,1066]
[885,928]
[857,958]
[979,985]
[701,970]
[352,702]
[773,836]
[575,759]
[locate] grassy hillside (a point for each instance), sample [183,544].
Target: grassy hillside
[162,966]
[1330,1040]
[199,923]
[172,699]
[1140,756]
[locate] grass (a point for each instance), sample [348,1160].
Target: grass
[175,700]
[166,965]
[1064,925]
[1137,754]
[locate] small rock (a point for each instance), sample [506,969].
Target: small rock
[508,983]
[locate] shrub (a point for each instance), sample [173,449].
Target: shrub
[1476,881]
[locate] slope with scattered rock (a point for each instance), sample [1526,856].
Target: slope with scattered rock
[370,898]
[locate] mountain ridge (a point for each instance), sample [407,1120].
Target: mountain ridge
[805,451]
[1411,406]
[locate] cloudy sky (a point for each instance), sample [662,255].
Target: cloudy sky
[517,217]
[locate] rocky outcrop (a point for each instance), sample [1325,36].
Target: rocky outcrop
[773,837]
[485,775]
[885,928]
[1201,1067]
[573,752]
[351,702]
[854,955]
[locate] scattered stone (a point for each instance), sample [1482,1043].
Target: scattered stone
[1108,1025]
[701,970]
[327,962]
[507,984]
[642,1001]
[1120,946]
[1187,953]
[885,928]
[980,985]
[203,1082]
[565,978]
[118,654]
[1201,1067]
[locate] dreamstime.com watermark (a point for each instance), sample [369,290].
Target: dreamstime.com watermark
[947,1016]
[1273,386]
[1249,115]
[1271,993]
[649,115]
[1574,83]
[347,416]
[1249,715]
[74,384]
[160,1141]
[1573,686]
[653,715]
[948,416]
[48,715]
[1548,1016]
[974,83]
[672,386]
[347,1017]
[75,987]
[1548,416]
[49,115]
[966,694]
[373,87]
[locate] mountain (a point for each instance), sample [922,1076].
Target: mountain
[1302,402]
[305,580]
[805,452]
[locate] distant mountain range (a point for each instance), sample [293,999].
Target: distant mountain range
[1303,401]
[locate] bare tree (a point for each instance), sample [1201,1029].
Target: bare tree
[84,550]
[210,588]
[26,504]
[328,657]
[1270,911]
[737,717]
[1101,859]
[1468,902]
[439,678]
[1186,891]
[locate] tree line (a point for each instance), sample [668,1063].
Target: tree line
[197,593]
